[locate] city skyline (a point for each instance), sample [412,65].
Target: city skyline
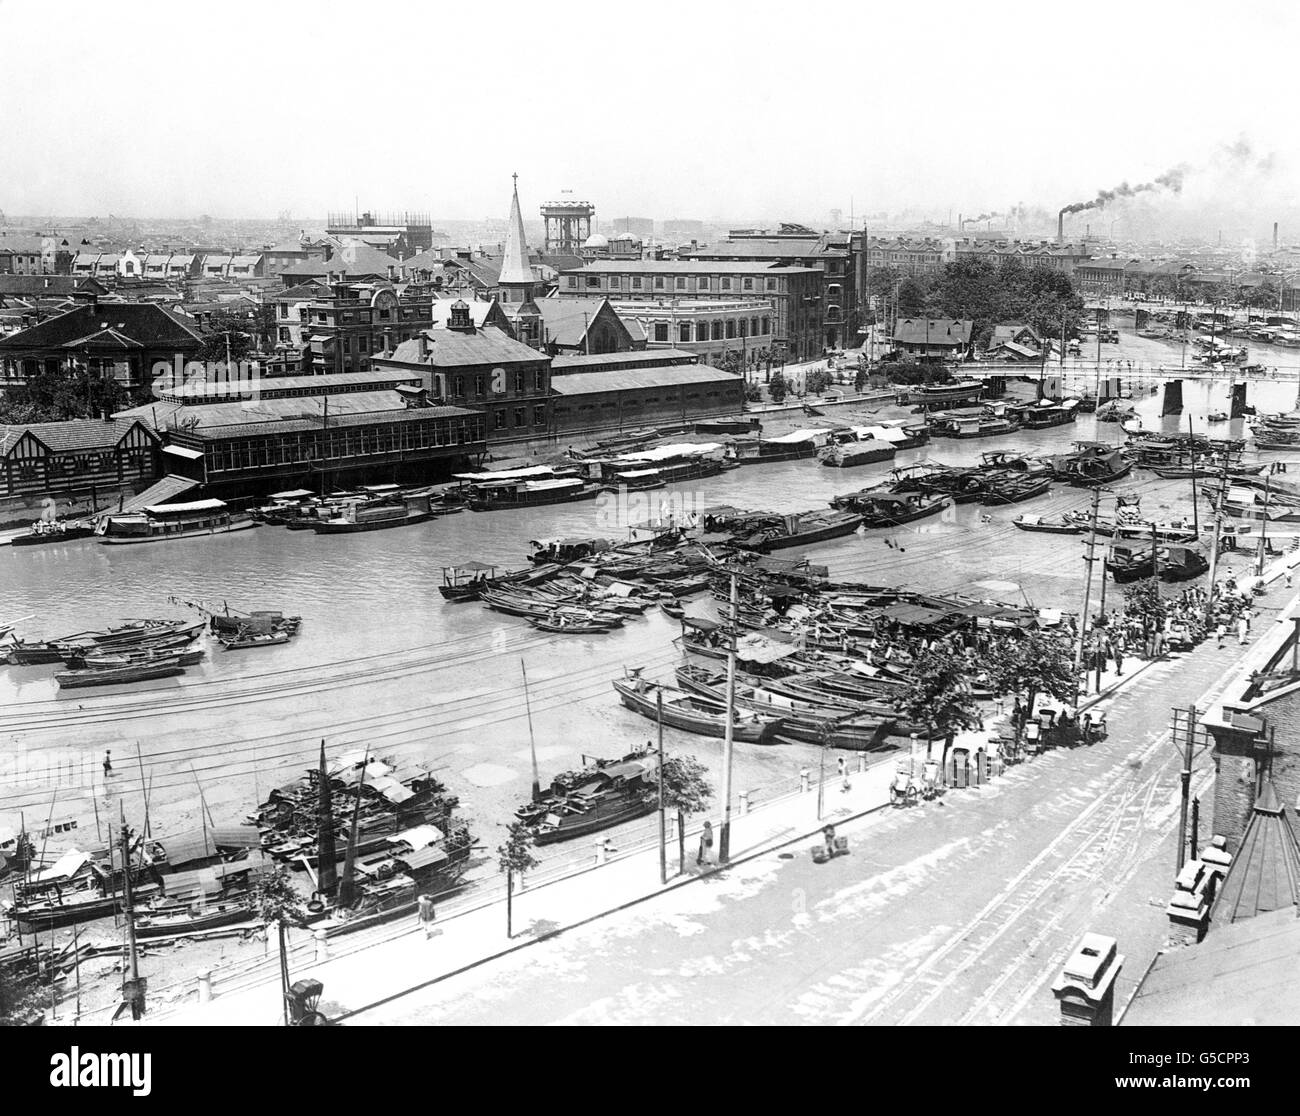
[985,125]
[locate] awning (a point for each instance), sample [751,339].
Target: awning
[292,494]
[507,474]
[755,648]
[178,509]
[182,451]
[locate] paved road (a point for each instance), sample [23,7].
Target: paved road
[952,913]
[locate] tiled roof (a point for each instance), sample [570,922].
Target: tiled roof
[292,424]
[144,322]
[358,261]
[575,362]
[78,434]
[51,285]
[932,331]
[451,349]
[630,379]
[689,267]
[777,249]
[567,319]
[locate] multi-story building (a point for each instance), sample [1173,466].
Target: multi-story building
[402,234]
[22,255]
[910,255]
[710,329]
[837,255]
[795,294]
[344,325]
[118,340]
[485,368]
[1042,253]
[586,325]
[73,460]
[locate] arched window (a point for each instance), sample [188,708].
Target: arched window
[702,331]
[717,330]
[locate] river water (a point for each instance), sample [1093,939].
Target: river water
[382,661]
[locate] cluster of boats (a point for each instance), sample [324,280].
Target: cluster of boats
[134,651]
[604,793]
[812,660]
[377,507]
[392,829]
[142,650]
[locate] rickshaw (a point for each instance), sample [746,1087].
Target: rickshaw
[303,997]
[903,790]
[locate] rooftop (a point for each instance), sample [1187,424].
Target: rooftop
[692,267]
[631,379]
[446,348]
[62,437]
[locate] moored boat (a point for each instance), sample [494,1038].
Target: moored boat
[57,531]
[889,509]
[1038,523]
[124,675]
[166,522]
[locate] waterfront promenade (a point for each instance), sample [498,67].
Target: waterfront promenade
[958,910]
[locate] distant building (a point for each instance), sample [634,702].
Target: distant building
[121,340]
[484,368]
[584,325]
[641,227]
[795,294]
[82,458]
[349,264]
[708,328]
[399,234]
[912,256]
[22,255]
[933,337]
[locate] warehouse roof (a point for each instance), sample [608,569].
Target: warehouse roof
[449,348]
[633,379]
[702,267]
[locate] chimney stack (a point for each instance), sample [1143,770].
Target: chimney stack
[424,346]
[1060,227]
[1274,236]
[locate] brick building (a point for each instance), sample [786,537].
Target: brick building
[796,294]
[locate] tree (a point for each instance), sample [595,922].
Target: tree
[221,325]
[911,298]
[276,901]
[817,381]
[1033,663]
[860,381]
[515,857]
[777,387]
[753,393]
[58,396]
[686,790]
[939,696]
[1143,600]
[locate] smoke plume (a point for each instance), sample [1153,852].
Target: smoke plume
[1171,180]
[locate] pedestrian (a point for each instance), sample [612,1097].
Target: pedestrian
[828,835]
[1119,657]
[426,915]
[706,844]
[108,763]
[1248,614]
[1288,577]
[1243,628]
[844,774]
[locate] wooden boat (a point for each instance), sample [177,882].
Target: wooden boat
[850,454]
[988,421]
[166,522]
[244,640]
[466,581]
[886,509]
[120,675]
[1208,471]
[1038,523]
[1217,416]
[503,495]
[600,796]
[1046,413]
[673,609]
[99,661]
[1011,488]
[58,531]
[801,530]
[576,627]
[687,712]
[379,516]
[1092,472]
[180,919]
[936,396]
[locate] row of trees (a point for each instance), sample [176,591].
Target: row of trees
[56,397]
[987,293]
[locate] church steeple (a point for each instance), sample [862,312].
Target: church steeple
[516,280]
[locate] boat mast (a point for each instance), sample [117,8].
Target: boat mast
[659,782]
[724,837]
[1214,548]
[532,743]
[346,886]
[131,989]
[326,871]
[1191,449]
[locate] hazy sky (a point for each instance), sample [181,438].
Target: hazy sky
[702,108]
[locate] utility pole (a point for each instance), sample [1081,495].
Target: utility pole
[724,837]
[1191,449]
[1263,527]
[1214,547]
[1186,791]
[1155,553]
[532,744]
[132,990]
[1087,591]
[663,831]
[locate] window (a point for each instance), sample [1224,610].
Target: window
[702,331]
[539,379]
[771,285]
[726,282]
[284,309]
[659,282]
[661,331]
[684,331]
[753,327]
[364,342]
[519,383]
[284,333]
[614,282]
[702,283]
[636,282]
[717,331]
[478,386]
[573,282]
[539,416]
[767,325]
[593,281]
[744,328]
[681,282]
[519,416]
[747,284]
[498,420]
[731,327]
[460,385]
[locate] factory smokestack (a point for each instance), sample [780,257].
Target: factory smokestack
[1274,236]
[1060,228]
